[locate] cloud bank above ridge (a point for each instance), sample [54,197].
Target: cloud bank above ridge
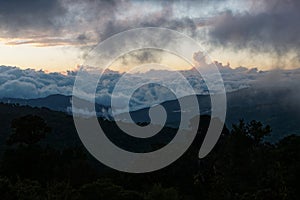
[30,84]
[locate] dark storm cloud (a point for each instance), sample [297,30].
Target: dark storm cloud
[142,57]
[96,15]
[163,17]
[19,16]
[54,22]
[86,22]
[270,26]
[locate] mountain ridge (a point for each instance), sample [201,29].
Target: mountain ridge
[248,104]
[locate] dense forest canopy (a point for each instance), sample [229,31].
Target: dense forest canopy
[47,161]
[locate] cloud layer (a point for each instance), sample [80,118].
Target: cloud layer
[26,18]
[29,84]
[269,26]
[17,83]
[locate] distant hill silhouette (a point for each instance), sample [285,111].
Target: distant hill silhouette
[269,107]
[56,102]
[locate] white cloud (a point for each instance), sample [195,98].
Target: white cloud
[28,84]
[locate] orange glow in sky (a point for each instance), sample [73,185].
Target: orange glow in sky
[63,58]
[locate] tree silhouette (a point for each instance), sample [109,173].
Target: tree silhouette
[254,130]
[28,129]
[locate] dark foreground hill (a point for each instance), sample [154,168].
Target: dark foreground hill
[64,133]
[241,166]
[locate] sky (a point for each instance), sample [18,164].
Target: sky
[57,35]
